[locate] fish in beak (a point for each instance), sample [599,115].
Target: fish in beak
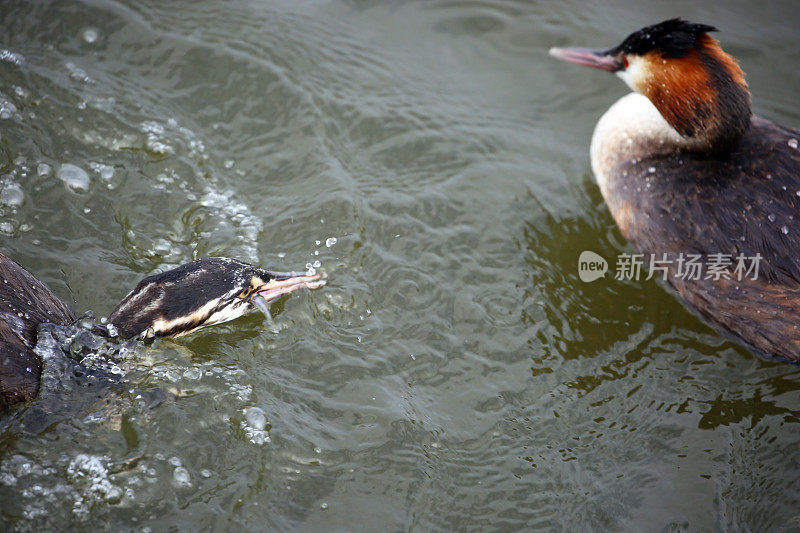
[281,283]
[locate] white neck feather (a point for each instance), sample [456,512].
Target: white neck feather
[632,128]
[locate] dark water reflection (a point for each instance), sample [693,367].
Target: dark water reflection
[454,373]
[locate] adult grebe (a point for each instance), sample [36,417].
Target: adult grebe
[194,295]
[685,170]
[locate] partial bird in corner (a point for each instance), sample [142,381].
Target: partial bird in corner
[176,302]
[687,170]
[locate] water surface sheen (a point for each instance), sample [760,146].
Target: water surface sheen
[454,373]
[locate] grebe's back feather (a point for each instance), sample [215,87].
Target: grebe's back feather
[666,199]
[25,302]
[745,202]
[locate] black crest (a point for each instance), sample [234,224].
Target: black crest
[672,38]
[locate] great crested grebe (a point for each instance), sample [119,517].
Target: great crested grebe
[182,300]
[687,170]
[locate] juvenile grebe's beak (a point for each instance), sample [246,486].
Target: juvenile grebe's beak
[587,57]
[285,282]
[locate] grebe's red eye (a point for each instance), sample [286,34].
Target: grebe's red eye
[624,62]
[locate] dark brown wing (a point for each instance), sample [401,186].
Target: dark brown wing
[747,203]
[25,302]
[764,315]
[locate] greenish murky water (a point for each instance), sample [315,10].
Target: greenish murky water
[454,373]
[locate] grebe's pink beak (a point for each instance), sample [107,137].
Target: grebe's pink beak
[587,57]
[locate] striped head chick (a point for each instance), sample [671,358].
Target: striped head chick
[202,293]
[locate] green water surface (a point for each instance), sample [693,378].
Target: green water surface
[454,374]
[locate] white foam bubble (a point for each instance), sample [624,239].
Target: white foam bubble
[155,138]
[256,418]
[74,177]
[162,246]
[11,57]
[77,73]
[90,474]
[9,227]
[255,426]
[7,108]
[181,476]
[90,35]
[12,195]
[44,170]
[193,373]
[106,171]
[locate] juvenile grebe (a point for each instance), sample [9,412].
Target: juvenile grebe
[182,300]
[685,169]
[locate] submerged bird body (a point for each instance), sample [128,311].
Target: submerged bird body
[687,171]
[182,300]
[25,302]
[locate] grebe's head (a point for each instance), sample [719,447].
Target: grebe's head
[202,293]
[698,88]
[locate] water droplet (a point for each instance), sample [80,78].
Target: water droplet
[193,373]
[7,109]
[75,177]
[785,230]
[792,143]
[330,241]
[44,170]
[90,35]
[8,228]
[771,217]
[162,247]
[106,172]
[12,195]
[181,476]
[11,57]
